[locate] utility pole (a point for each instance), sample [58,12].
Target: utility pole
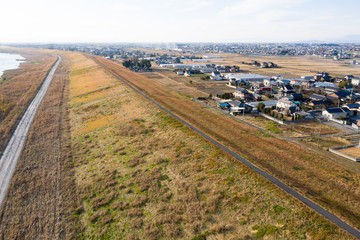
[244,107]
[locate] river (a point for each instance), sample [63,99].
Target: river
[9,61]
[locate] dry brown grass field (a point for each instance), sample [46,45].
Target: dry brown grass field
[20,87]
[302,129]
[41,189]
[143,175]
[330,184]
[353,151]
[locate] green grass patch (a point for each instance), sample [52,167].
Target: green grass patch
[265,230]
[273,127]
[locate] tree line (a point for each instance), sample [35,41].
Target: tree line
[135,63]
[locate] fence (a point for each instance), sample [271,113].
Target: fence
[334,150]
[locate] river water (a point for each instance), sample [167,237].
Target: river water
[9,61]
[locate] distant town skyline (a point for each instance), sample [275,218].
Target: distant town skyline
[66,21]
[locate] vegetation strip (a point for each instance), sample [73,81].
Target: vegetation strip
[12,152]
[272,179]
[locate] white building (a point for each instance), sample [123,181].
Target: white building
[269,82]
[246,77]
[286,106]
[355,81]
[215,75]
[336,112]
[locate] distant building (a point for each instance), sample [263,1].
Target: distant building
[236,79]
[216,75]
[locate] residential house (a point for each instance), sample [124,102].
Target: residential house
[237,107]
[242,93]
[206,70]
[269,82]
[355,81]
[224,105]
[296,82]
[342,95]
[286,106]
[349,77]
[353,107]
[317,97]
[216,75]
[336,113]
[282,82]
[286,90]
[296,96]
[330,89]
[321,104]
[306,84]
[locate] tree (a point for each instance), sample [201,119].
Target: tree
[260,107]
[343,84]
[145,63]
[128,64]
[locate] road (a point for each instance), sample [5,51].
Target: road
[14,148]
[333,218]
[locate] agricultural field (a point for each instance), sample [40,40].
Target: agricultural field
[140,174]
[292,66]
[20,87]
[289,66]
[336,187]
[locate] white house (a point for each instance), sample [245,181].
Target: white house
[355,81]
[216,75]
[236,79]
[286,106]
[336,112]
[269,82]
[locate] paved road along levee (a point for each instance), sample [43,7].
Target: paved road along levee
[14,148]
[333,218]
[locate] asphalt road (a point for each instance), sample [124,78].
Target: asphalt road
[14,148]
[333,218]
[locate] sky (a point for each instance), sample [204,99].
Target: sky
[71,21]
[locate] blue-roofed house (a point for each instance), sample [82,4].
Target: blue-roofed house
[224,105]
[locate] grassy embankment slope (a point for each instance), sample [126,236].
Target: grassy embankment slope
[330,184]
[142,175]
[20,87]
[39,196]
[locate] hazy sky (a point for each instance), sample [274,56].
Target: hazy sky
[177,20]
